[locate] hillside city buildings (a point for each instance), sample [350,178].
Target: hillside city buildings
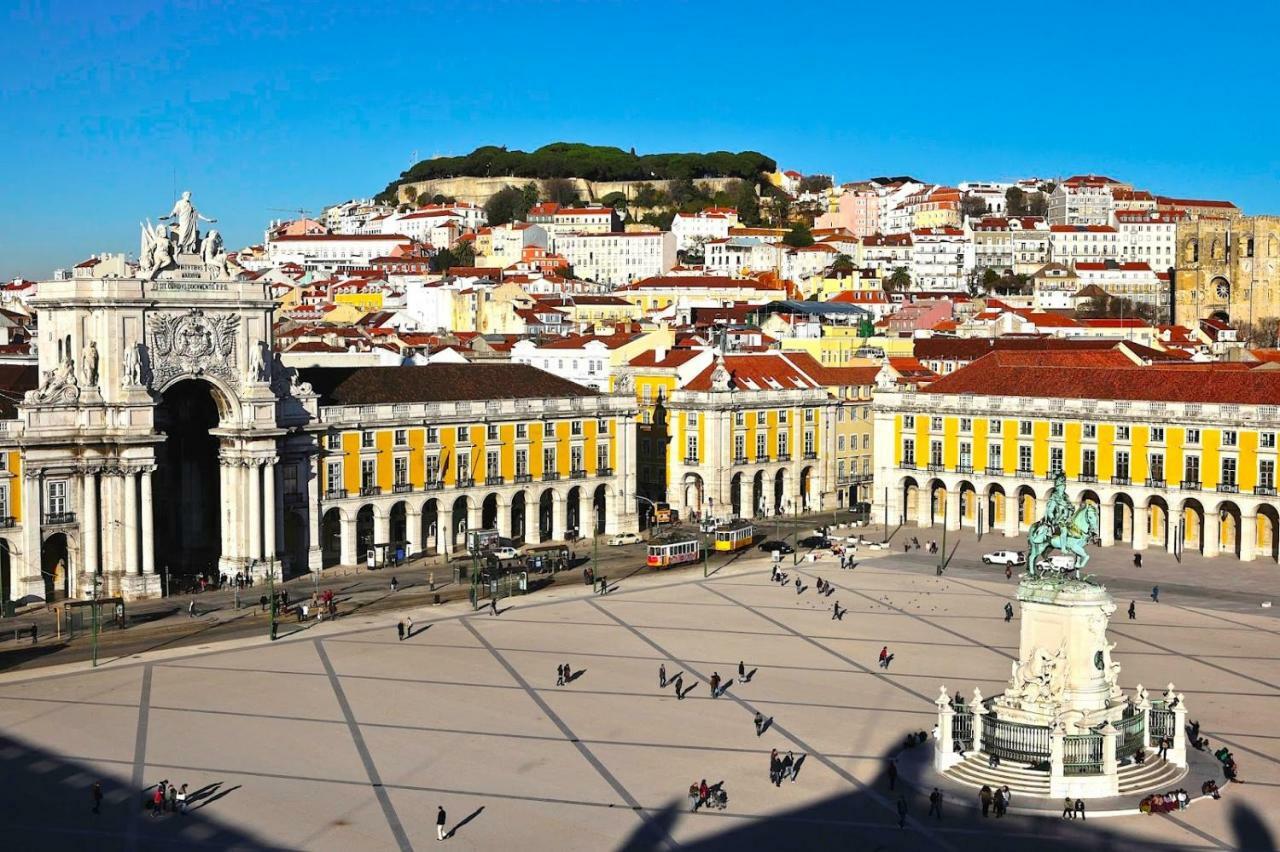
[386,378]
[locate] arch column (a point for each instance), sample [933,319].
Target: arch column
[1107,522]
[503,520]
[381,526]
[315,556]
[444,528]
[559,516]
[953,509]
[1248,534]
[412,529]
[1210,531]
[1141,521]
[1011,508]
[924,506]
[89,524]
[348,555]
[254,471]
[269,509]
[586,512]
[131,564]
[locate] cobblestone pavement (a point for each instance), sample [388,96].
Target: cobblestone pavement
[342,736]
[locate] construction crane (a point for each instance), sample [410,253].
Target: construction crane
[302,214]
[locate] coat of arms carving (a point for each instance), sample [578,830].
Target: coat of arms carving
[193,344]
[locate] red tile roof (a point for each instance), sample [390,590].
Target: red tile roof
[770,371]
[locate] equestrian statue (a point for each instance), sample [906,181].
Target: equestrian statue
[1064,527]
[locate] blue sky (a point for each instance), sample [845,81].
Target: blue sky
[106,106]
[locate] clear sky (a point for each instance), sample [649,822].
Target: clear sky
[107,107]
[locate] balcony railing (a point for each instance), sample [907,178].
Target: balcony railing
[1228,488]
[8,521]
[785,457]
[995,470]
[604,471]
[550,476]
[1087,477]
[1190,485]
[1023,473]
[762,458]
[964,468]
[1154,482]
[810,455]
[336,494]
[690,460]
[935,467]
[494,480]
[739,459]
[1264,490]
[433,485]
[578,473]
[370,490]
[402,488]
[55,518]
[522,478]
[466,482]
[910,464]
[1120,480]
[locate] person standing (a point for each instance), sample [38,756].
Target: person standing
[493,605]
[797,585]
[1068,808]
[182,800]
[759,723]
[902,812]
[742,669]
[171,795]
[96,792]
[662,675]
[1006,798]
[191,609]
[1008,612]
[935,803]
[1155,594]
[787,763]
[394,584]
[560,675]
[715,684]
[984,797]
[1079,808]
[400,629]
[893,774]
[1008,571]
[678,683]
[775,767]
[884,656]
[157,800]
[440,822]
[1133,610]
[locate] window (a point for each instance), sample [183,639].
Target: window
[966,455]
[935,424]
[866,441]
[401,470]
[602,426]
[333,476]
[995,427]
[522,462]
[1024,427]
[602,457]
[433,467]
[966,424]
[289,475]
[692,419]
[464,466]
[1229,438]
[908,421]
[1091,430]
[433,435]
[491,432]
[1056,429]
[1055,459]
[782,416]
[56,497]
[995,454]
[1089,463]
[1193,436]
[1024,458]
[366,440]
[739,446]
[808,442]
[575,427]
[368,473]
[782,443]
[1267,473]
[1157,434]
[908,452]
[808,415]
[402,437]
[548,460]
[1267,440]
[1191,469]
[1155,467]
[935,453]
[1228,470]
[333,441]
[739,418]
[492,466]
[1122,433]
[1122,464]
[522,430]
[575,459]
[691,448]
[840,443]
[762,448]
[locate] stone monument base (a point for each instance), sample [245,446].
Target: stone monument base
[140,586]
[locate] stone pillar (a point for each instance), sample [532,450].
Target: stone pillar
[412,531]
[132,564]
[348,538]
[1211,533]
[977,710]
[586,513]
[944,749]
[1057,761]
[1011,516]
[1107,523]
[1173,532]
[1248,534]
[269,509]
[1144,708]
[1109,741]
[148,524]
[89,525]
[253,517]
[227,496]
[953,509]
[315,556]
[30,582]
[924,507]
[504,520]
[381,527]
[1141,520]
[559,516]
[444,529]
[1177,753]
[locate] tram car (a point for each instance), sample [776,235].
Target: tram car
[737,534]
[674,549]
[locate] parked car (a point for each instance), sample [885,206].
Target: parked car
[624,538]
[506,553]
[776,547]
[1004,557]
[814,541]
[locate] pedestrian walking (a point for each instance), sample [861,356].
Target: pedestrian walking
[935,803]
[1006,798]
[182,800]
[678,682]
[96,792]
[893,774]
[902,812]
[1068,808]
[1164,748]
[1008,612]
[493,605]
[704,792]
[171,803]
[400,629]
[662,675]
[394,584]
[797,585]
[715,684]
[759,723]
[560,675]
[1133,610]
[742,669]
[884,657]
[693,796]
[787,763]
[1080,808]
[157,800]
[775,767]
[191,609]
[1008,571]
[1137,560]
[1155,594]
[984,797]
[440,822]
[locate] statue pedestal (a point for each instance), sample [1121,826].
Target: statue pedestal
[139,586]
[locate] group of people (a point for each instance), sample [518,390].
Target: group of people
[1163,803]
[1071,809]
[564,674]
[703,796]
[166,798]
[783,767]
[998,799]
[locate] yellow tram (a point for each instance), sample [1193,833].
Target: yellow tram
[737,534]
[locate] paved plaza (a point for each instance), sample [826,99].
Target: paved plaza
[343,737]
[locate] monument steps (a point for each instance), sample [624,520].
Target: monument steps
[974,771]
[1155,774]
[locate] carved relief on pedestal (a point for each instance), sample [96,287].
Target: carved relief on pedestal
[193,344]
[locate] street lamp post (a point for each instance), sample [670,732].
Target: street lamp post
[795,519]
[271,595]
[886,516]
[97,581]
[942,551]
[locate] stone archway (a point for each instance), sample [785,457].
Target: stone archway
[806,485]
[398,527]
[573,510]
[331,537]
[735,495]
[600,507]
[55,567]
[937,501]
[1122,519]
[295,540]
[758,503]
[489,510]
[518,513]
[1228,527]
[546,514]
[969,507]
[430,526]
[1192,525]
[779,491]
[691,490]
[457,535]
[1158,522]
[997,506]
[1268,532]
[187,518]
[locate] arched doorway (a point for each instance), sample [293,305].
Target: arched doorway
[187,508]
[573,510]
[1192,522]
[1122,520]
[735,495]
[1026,506]
[1268,543]
[364,531]
[807,503]
[55,567]
[910,499]
[1228,527]
[430,526]
[779,490]
[399,526]
[997,506]
[458,535]
[331,538]
[1158,522]
[968,504]
[489,512]
[599,502]
[937,501]
[517,516]
[758,505]
[546,510]
[692,493]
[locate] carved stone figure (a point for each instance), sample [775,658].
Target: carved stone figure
[133,364]
[157,250]
[720,378]
[89,364]
[186,218]
[1042,677]
[193,344]
[624,384]
[214,255]
[57,385]
[259,359]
